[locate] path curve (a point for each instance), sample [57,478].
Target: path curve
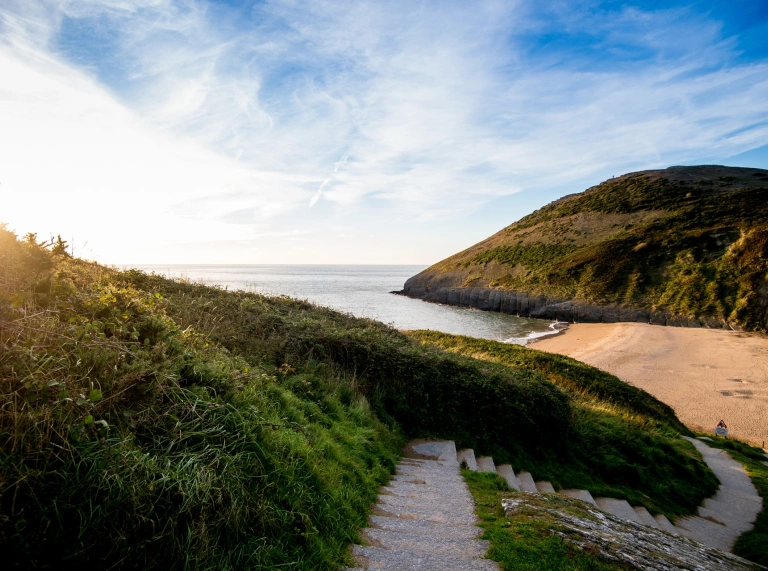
[731,511]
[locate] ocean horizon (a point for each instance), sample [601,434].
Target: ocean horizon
[362,290]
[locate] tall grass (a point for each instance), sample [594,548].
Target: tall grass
[152,423]
[129,441]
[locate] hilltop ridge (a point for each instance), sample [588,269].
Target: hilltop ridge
[679,246]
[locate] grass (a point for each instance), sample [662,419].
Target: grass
[623,443]
[683,242]
[525,542]
[161,424]
[752,545]
[130,440]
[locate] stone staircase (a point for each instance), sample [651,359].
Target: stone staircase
[425,517]
[425,520]
[523,482]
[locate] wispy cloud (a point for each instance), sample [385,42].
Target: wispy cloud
[231,119]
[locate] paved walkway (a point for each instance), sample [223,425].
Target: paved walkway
[425,518]
[731,511]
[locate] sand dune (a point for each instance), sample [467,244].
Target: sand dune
[704,374]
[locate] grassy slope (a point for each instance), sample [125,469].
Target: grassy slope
[624,443]
[692,240]
[152,423]
[131,441]
[523,542]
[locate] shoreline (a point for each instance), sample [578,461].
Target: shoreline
[557,328]
[704,374]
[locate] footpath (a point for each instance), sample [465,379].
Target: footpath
[425,520]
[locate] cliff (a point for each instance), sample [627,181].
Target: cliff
[684,246]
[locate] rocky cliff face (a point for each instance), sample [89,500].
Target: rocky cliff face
[543,307]
[685,246]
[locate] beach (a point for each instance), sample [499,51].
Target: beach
[705,375]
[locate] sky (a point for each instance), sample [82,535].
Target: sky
[358,132]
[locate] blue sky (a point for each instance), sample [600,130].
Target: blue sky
[158,131]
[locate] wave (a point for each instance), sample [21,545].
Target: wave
[555,328]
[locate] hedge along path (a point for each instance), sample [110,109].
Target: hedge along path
[425,517]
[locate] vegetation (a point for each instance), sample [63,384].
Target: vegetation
[752,545]
[623,442]
[691,241]
[129,440]
[154,423]
[525,542]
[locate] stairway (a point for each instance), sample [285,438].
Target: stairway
[425,517]
[425,520]
[523,482]
[720,520]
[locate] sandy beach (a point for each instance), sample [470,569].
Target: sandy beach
[704,374]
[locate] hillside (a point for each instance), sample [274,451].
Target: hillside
[681,246]
[159,424]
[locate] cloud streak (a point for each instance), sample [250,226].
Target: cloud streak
[234,117]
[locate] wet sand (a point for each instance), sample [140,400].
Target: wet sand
[704,374]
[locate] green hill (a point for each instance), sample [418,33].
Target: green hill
[159,424]
[681,246]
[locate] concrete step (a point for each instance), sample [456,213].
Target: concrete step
[707,532]
[432,545]
[711,515]
[468,455]
[441,504]
[526,482]
[427,512]
[665,524]
[582,495]
[424,518]
[730,473]
[733,507]
[406,489]
[545,487]
[732,522]
[369,557]
[415,527]
[618,508]
[646,517]
[437,450]
[430,471]
[422,478]
[485,464]
[505,471]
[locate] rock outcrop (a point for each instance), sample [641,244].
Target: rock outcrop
[620,540]
[542,307]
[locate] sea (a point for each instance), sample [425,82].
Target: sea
[363,291]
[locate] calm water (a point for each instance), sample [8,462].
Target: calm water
[362,291]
